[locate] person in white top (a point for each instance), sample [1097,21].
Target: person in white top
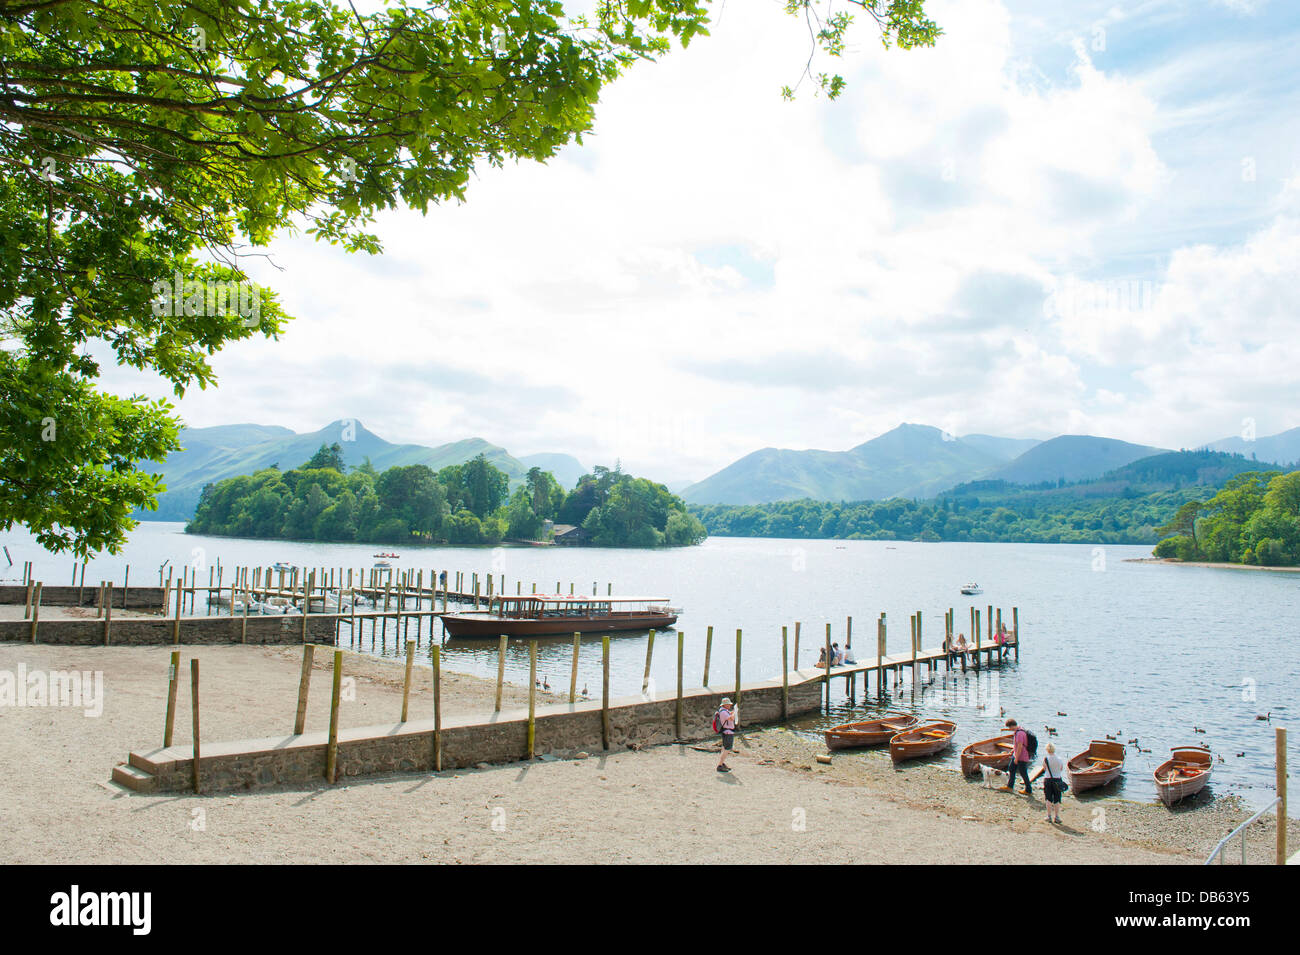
[1054,786]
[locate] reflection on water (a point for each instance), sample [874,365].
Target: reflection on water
[1109,648]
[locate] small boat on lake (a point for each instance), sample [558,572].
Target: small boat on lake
[382,564]
[995,752]
[1184,775]
[870,732]
[971,589]
[1100,765]
[923,740]
[540,615]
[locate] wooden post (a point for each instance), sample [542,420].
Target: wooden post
[649,655]
[785,673]
[173,677]
[1015,629]
[243,623]
[332,747]
[573,672]
[736,699]
[827,673]
[797,626]
[126,584]
[304,685]
[1279,736]
[532,697]
[501,668]
[27,604]
[604,692]
[108,612]
[176,624]
[915,626]
[681,646]
[306,604]
[708,652]
[978,634]
[880,657]
[99,600]
[436,652]
[36,608]
[194,711]
[406,684]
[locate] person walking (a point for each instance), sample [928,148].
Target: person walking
[1020,757]
[1054,786]
[724,722]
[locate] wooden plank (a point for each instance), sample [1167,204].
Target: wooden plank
[304,685]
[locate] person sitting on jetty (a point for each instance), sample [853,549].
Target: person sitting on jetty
[960,649]
[837,655]
[1000,639]
[821,659]
[848,655]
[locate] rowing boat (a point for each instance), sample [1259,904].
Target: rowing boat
[1184,775]
[1099,765]
[995,752]
[870,732]
[923,740]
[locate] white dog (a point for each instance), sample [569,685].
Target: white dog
[993,778]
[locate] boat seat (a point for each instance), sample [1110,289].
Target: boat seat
[934,733]
[1006,745]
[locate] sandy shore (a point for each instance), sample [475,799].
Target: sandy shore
[1206,563]
[666,804]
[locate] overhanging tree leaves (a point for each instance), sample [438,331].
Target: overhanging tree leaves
[149,146]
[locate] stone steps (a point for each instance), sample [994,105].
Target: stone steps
[135,779]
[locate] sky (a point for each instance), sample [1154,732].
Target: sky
[1062,219]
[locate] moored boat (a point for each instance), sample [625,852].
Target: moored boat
[995,752]
[971,589]
[1184,775]
[539,615]
[1099,765]
[869,732]
[925,739]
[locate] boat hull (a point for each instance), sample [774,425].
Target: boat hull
[1100,765]
[1186,774]
[869,733]
[987,752]
[924,740]
[490,626]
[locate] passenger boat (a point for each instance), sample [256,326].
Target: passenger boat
[540,615]
[869,733]
[971,589]
[995,752]
[1184,775]
[382,564]
[1100,765]
[923,740]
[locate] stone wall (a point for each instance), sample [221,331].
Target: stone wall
[148,599]
[563,729]
[135,631]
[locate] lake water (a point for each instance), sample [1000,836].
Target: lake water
[1131,650]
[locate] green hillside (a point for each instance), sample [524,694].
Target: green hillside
[212,454]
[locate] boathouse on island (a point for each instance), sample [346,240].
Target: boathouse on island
[570,534]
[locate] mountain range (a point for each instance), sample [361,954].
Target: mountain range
[918,461]
[211,454]
[912,460]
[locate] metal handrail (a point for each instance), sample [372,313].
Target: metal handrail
[1218,850]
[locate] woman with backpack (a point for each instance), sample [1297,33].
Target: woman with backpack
[1054,786]
[724,722]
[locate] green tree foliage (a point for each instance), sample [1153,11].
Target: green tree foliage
[331,457]
[1254,519]
[411,504]
[619,510]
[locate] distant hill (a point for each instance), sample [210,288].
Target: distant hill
[1070,458]
[1006,449]
[1283,447]
[911,460]
[211,454]
[566,468]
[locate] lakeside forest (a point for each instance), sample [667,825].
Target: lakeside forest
[1197,505]
[468,503]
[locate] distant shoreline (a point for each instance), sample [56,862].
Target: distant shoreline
[1206,563]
